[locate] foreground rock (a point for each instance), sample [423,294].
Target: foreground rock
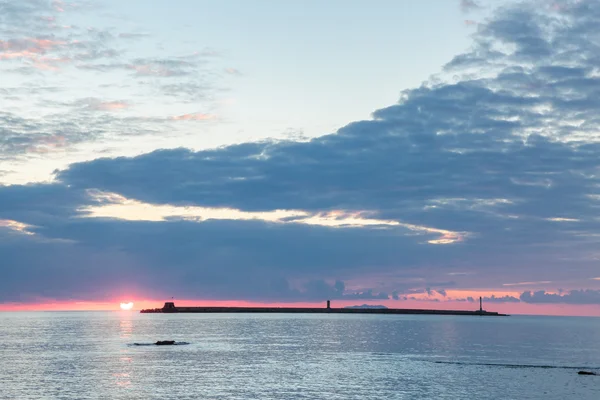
[587,373]
[165,343]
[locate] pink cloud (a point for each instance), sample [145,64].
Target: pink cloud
[48,144]
[233,71]
[194,117]
[33,50]
[50,63]
[58,5]
[30,45]
[111,106]
[98,105]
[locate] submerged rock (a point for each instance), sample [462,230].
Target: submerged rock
[165,342]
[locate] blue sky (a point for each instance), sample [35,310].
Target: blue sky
[265,69]
[298,151]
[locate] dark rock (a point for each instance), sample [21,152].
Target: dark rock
[165,343]
[586,373]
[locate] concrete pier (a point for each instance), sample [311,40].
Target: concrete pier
[171,308]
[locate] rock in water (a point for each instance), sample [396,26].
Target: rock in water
[586,373]
[165,342]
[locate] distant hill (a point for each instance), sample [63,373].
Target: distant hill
[367,306]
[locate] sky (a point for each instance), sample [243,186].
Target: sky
[405,153]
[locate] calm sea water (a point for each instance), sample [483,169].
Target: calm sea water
[81,355]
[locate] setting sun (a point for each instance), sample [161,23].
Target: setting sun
[126,306]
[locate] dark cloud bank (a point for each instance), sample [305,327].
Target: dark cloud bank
[500,148]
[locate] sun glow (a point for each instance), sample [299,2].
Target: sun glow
[113,205]
[126,306]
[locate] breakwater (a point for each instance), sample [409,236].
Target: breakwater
[171,308]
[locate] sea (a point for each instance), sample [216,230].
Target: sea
[110,355]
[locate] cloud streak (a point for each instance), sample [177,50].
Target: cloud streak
[194,117]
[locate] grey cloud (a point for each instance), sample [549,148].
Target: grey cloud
[214,259]
[468,5]
[243,272]
[103,67]
[94,104]
[366,295]
[163,67]
[505,154]
[476,140]
[14,13]
[481,155]
[368,306]
[582,296]
[131,35]
[569,297]
[321,290]
[60,131]
[192,91]
[502,299]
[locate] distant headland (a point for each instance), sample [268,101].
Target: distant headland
[170,307]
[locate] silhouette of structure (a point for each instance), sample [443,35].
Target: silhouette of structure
[170,307]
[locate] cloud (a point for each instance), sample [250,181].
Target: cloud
[141,249]
[496,157]
[498,160]
[34,52]
[62,131]
[36,40]
[28,46]
[106,243]
[469,5]
[582,296]
[321,290]
[188,91]
[131,35]
[195,117]
[41,45]
[503,299]
[93,104]
[161,67]
[527,283]
[233,71]
[570,297]
[119,207]
[15,226]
